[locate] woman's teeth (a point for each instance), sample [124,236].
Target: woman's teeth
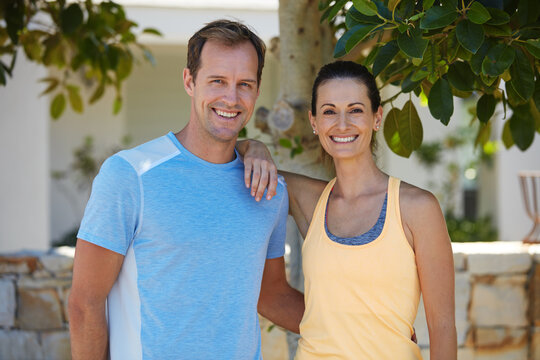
[226,114]
[343,139]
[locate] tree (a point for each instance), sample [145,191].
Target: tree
[80,39]
[443,49]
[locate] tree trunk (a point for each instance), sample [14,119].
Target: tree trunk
[304,46]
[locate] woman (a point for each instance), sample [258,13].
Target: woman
[372,242]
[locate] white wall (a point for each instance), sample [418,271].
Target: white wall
[514,224]
[24,160]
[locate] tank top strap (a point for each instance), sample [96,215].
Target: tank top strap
[319,212]
[393,198]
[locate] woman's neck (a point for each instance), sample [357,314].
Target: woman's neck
[358,176]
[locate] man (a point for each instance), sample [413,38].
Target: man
[173,240]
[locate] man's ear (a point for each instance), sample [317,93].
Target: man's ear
[189,82]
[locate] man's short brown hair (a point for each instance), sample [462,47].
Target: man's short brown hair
[226,32]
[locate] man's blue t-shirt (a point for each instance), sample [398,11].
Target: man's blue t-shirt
[195,244]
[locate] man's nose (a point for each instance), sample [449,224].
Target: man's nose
[230,97]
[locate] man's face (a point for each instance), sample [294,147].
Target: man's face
[224,92]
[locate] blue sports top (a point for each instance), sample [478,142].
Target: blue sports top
[195,243]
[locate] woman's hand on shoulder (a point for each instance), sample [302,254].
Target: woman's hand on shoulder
[260,171]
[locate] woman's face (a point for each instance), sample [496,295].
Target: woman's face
[345,120]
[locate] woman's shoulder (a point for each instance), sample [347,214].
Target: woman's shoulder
[414,199]
[305,183]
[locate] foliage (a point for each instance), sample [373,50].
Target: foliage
[466,230]
[83,169]
[93,40]
[441,49]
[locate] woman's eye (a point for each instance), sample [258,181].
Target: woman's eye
[358,111]
[328,112]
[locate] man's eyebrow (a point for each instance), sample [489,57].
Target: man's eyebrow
[223,77]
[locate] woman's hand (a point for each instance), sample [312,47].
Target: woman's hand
[260,172]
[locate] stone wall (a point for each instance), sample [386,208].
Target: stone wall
[497,305]
[33,305]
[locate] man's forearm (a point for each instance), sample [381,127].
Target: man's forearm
[88,333]
[284,308]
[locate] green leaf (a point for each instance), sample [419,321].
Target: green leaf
[57,106]
[286,143]
[117,105]
[339,49]
[408,85]
[478,58]
[368,61]
[522,127]
[71,18]
[483,135]
[438,17]
[413,44]
[420,74]
[477,13]
[53,83]
[470,35]
[499,30]
[332,11]
[410,127]
[359,34]
[417,16]
[497,60]
[75,99]
[513,97]
[152,31]
[506,136]
[485,108]
[242,133]
[522,75]
[460,76]
[355,17]
[123,69]
[427,4]
[2,74]
[366,7]
[98,93]
[392,4]
[14,18]
[441,101]
[536,95]
[498,17]
[384,57]
[533,46]
[391,133]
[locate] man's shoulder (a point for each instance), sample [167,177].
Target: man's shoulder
[146,156]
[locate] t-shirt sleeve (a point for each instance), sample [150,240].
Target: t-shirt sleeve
[276,245]
[112,212]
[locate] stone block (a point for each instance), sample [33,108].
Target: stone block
[39,310]
[500,338]
[56,345]
[534,250]
[534,295]
[535,343]
[7,303]
[17,264]
[499,301]
[506,354]
[56,263]
[499,257]
[462,299]
[273,342]
[459,261]
[65,299]
[19,345]
[43,283]
[465,353]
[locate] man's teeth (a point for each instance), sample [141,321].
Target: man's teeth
[226,114]
[343,139]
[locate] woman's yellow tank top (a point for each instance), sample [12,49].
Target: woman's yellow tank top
[361,300]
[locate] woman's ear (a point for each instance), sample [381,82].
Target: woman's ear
[312,122]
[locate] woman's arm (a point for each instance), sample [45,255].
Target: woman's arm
[260,172]
[425,222]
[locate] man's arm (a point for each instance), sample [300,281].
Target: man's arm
[278,301]
[95,270]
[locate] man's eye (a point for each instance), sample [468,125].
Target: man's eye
[217,81]
[245,84]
